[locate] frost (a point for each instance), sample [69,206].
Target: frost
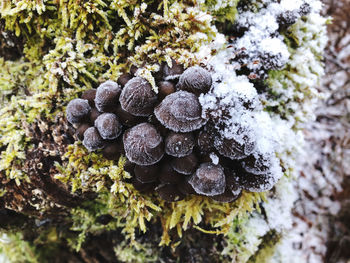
[138,97]
[77,110]
[195,79]
[92,139]
[143,144]
[208,180]
[180,112]
[108,126]
[179,144]
[107,95]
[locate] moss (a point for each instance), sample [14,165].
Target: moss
[267,248]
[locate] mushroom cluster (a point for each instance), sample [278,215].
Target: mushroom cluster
[170,147]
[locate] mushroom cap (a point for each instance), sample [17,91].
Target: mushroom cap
[113,150]
[108,125]
[169,193]
[81,130]
[195,79]
[227,197]
[138,97]
[77,110]
[89,95]
[185,165]
[180,112]
[179,144]
[257,183]
[107,95]
[143,144]
[146,174]
[233,149]
[92,139]
[209,179]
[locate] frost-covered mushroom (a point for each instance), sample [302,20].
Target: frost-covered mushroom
[138,97]
[257,183]
[180,112]
[179,144]
[107,95]
[169,193]
[92,139]
[233,148]
[209,179]
[77,110]
[108,125]
[146,174]
[143,144]
[185,165]
[89,95]
[205,142]
[196,80]
[258,163]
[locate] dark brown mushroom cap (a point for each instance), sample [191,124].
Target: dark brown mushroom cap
[233,149]
[107,95]
[174,71]
[227,197]
[90,96]
[94,113]
[143,144]
[209,179]
[179,144]
[185,187]
[185,165]
[113,150]
[108,125]
[143,187]
[126,118]
[146,174]
[169,193]
[123,79]
[195,79]
[256,183]
[168,174]
[81,130]
[180,112]
[92,139]
[165,88]
[138,97]
[77,110]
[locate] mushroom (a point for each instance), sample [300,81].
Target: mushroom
[137,97]
[81,130]
[180,112]
[196,80]
[92,139]
[143,144]
[234,149]
[169,193]
[185,165]
[165,88]
[146,174]
[89,95]
[108,125]
[113,150]
[107,95]
[179,144]
[77,110]
[209,179]
[168,174]
[123,79]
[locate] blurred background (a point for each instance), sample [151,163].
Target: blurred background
[322,212]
